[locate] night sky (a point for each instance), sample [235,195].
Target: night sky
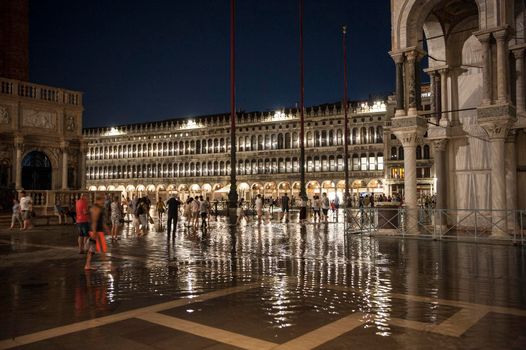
[152,60]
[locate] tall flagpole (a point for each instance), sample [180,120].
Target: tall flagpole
[303,192]
[232,195]
[346,120]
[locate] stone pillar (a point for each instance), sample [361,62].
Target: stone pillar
[399,62]
[64,149]
[410,130]
[444,117]
[487,89]
[519,82]
[19,145]
[501,37]
[413,90]
[497,132]
[439,151]
[511,179]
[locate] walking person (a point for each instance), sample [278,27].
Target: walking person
[142,215]
[82,219]
[26,208]
[116,218]
[259,207]
[96,240]
[204,208]
[285,208]
[173,205]
[325,205]
[315,208]
[161,208]
[17,215]
[241,211]
[195,212]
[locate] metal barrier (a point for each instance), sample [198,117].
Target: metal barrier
[439,224]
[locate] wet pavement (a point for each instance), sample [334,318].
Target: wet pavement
[267,286]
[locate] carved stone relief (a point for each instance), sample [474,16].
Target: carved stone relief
[39,119]
[69,122]
[4,115]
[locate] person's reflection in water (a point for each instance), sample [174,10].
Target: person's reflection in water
[303,240]
[233,253]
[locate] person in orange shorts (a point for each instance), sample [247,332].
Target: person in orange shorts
[96,241]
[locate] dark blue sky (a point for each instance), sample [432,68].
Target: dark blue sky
[153,60]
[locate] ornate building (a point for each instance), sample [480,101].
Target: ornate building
[475,55]
[191,156]
[40,126]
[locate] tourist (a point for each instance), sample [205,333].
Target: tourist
[173,213]
[337,202]
[258,204]
[116,218]
[59,211]
[26,208]
[204,208]
[325,205]
[187,211]
[160,211]
[303,210]
[195,212]
[17,215]
[82,219]
[315,203]
[284,208]
[142,216]
[96,235]
[241,211]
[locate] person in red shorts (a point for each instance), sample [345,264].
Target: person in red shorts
[82,219]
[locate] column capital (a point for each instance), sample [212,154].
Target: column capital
[518,53]
[18,139]
[501,34]
[496,129]
[64,146]
[440,144]
[512,136]
[483,37]
[414,54]
[398,57]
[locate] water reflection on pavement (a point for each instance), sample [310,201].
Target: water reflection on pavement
[305,277]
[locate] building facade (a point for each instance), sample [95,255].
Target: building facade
[192,156]
[475,51]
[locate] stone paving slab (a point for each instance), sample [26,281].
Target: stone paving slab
[305,286]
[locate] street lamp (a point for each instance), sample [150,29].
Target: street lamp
[345,118]
[303,192]
[232,195]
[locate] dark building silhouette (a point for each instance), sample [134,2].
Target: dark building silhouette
[14,39]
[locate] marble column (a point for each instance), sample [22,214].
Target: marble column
[501,37]
[412,82]
[487,89]
[64,149]
[511,179]
[399,62]
[519,82]
[444,117]
[497,132]
[19,145]
[439,151]
[409,140]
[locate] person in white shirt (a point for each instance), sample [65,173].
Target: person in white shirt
[259,207]
[26,207]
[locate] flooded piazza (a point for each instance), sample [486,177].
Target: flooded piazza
[273,285]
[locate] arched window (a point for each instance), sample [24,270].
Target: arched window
[380,161]
[354,136]
[372,136]
[394,153]
[309,139]
[316,138]
[288,143]
[324,140]
[280,141]
[355,162]
[339,137]
[253,143]
[260,142]
[363,136]
[418,152]
[198,147]
[400,153]
[426,152]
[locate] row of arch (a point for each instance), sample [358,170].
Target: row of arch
[397,153]
[287,140]
[245,189]
[357,162]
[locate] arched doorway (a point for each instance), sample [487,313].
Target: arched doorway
[36,171]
